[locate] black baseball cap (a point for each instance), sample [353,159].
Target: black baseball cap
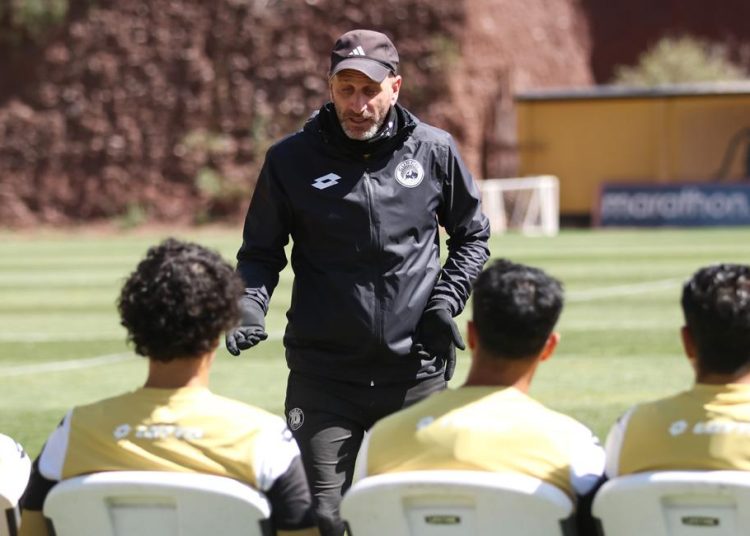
[367,51]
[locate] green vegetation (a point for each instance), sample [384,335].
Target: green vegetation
[680,60]
[619,329]
[447,52]
[134,216]
[221,195]
[30,19]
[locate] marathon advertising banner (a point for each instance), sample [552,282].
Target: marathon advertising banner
[677,205]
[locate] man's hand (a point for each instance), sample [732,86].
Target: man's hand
[251,330]
[438,335]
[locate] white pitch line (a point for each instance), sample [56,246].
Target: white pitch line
[41,336]
[71,364]
[574,296]
[621,290]
[76,364]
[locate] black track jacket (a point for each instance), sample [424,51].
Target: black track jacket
[365,251]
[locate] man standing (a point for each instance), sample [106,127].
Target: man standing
[362,190]
[490,423]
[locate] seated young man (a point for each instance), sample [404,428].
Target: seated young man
[175,306]
[705,427]
[490,423]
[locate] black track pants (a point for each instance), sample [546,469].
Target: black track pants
[329,419]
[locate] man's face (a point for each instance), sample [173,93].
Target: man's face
[361,103]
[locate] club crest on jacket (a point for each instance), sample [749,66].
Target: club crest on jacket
[409,173]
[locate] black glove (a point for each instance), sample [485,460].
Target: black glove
[252,328]
[438,335]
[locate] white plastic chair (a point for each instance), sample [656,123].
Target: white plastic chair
[675,503]
[465,503]
[14,476]
[152,503]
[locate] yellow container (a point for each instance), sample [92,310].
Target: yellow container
[669,134]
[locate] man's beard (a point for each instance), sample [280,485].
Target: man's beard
[359,135]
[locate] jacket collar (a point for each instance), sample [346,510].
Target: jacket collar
[325,125]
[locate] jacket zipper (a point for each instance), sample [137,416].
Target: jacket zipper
[377,248]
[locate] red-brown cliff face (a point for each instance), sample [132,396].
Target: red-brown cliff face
[169,105]
[508,47]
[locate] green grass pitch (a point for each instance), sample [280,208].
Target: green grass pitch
[61,343]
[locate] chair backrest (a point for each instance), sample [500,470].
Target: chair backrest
[444,503]
[675,503]
[153,503]
[15,468]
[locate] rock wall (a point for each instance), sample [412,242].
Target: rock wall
[165,108]
[507,47]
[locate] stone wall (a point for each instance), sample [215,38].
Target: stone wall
[165,108]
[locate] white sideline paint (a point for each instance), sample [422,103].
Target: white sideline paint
[75,364]
[45,336]
[42,336]
[70,364]
[579,296]
[621,290]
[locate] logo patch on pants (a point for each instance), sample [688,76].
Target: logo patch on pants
[295,418]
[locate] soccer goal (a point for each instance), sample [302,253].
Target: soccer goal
[530,205]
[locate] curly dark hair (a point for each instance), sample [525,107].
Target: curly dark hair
[515,308]
[179,300]
[716,305]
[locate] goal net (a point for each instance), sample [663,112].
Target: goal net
[529,205]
